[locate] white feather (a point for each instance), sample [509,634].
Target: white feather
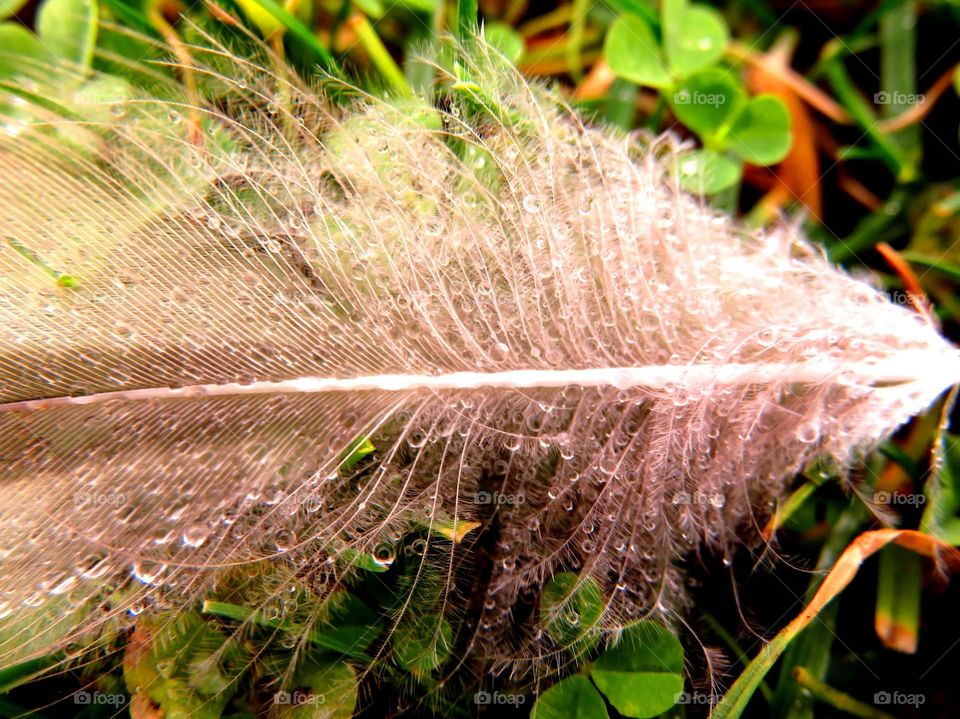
[497,295]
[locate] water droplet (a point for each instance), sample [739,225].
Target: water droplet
[148,572]
[384,554]
[284,540]
[512,443]
[807,433]
[196,535]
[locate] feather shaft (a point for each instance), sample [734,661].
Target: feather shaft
[920,367]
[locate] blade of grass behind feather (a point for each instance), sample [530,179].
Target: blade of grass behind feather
[735,701]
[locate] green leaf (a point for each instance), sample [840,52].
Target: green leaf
[937,263]
[707,172]
[641,676]
[695,37]
[899,582]
[15,675]
[184,665]
[943,493]
[506,40]
[421,6]
[621,104]
[8,8]
[100,92]
[570,608]
[453,529]
[373,9]
[632,52]
[269,23]
[380,58]
[761,133]
[18,48]
[350,623]
[572,698]
[350,557]
[332,641]
[27,653]
[466,18]
[358,449]
[708,101]
[296,28]
[644,8]
[266,23]
[422,643]
[323,690]
[69,29]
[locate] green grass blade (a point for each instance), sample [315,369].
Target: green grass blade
[301,32]
[897,617]
[466,19]
[836,698]
[898,71]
